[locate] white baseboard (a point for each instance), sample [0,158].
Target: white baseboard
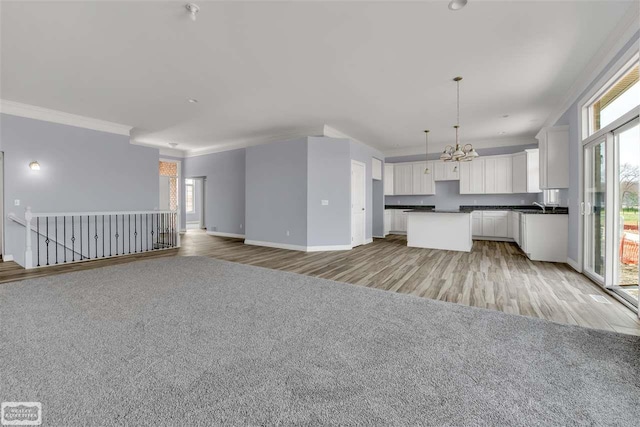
[7,257]
[276,245]
[574,264]
[369,240]
[221,234]
[493,239]
[379,237]
[398,233]
[299,247]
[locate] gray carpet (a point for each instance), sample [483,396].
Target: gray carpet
[195,341]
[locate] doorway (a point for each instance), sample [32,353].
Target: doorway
[358,201]
[611,205]
[195,203]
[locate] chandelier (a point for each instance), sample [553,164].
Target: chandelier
[458,153]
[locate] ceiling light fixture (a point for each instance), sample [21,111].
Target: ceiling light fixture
[458,154]
[426,151]
[457,4]
[192,100]
[193,10]
[173,144]
[34,166]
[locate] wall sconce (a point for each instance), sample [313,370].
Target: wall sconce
[34,166]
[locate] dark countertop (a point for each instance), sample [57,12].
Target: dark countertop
[437,211]
[525,209]
[407,207]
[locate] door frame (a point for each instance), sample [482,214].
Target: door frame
[179,191]
[364,197]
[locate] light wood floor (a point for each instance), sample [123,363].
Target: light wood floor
[495,275]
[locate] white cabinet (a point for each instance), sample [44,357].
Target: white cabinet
[515,226]
[491,224]
[544,237]
[376,169]
[497,174]
[477,223]
[526,172]
[553,144]
[387,220]
[398,221]
[446,171]
[472,177]
[388,179]
[403,179]
[409,179]
[423,183]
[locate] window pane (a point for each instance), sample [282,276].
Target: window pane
[623,96]
[189,197]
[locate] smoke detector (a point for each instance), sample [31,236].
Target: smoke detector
[193,10]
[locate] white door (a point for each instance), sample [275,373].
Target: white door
[165,193]
[358,185]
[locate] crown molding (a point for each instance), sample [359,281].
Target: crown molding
[477,144]
[619,37]
[252,142]
[39,113]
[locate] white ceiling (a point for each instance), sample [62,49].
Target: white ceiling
[378,71]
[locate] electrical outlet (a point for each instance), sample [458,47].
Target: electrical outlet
[16,202]
[240,225]
[475,202]
[215,228]
[287,232]
[324,202]
[522,202]
[422,202]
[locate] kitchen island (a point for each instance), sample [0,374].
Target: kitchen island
[439,229]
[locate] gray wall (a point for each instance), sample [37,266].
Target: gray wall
[570,117]
[329,175]
[276,192]
[448,192]
[363,153]
[224,188]
[81,170]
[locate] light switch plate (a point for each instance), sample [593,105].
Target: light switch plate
[324,202]
[16,202]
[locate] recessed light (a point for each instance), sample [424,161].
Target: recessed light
[457,4]
[192,100]
[505,116]
[503,133]
[173,144]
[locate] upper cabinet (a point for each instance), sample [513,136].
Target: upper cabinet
[423,183]
[497,174]
[446,171]
[376,169]
[526,172]
[388,179]
[409,179]
[553,143]
[472,176]
[403,179]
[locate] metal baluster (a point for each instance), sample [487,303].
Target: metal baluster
[80,233]
[158,230]
[110,254]
[129,234]
[153,245]
[95,229]
[73,238]
[88,237]
[102,236]
[64,237]
[123,252]
[46,241]
[56,239]
[135,234]
[117,235]
[38,239]
[146,234]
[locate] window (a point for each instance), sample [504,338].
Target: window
[551,197]
[189,194]
[616,100]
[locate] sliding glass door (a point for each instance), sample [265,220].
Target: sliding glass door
[595,212]
[627,174]
[610,209]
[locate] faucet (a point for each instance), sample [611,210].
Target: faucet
[544,209]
